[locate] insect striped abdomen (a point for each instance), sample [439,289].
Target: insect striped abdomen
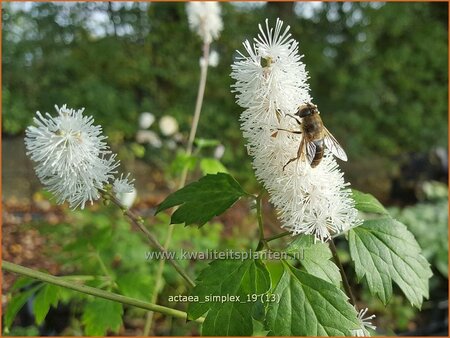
[319,153]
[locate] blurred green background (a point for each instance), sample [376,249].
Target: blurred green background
[378,72]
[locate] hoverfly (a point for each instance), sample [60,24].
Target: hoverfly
[315,137]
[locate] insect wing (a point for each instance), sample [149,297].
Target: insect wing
[310,151]
[334,146]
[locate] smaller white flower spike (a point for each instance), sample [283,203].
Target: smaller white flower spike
[205,19]
[71,155]
[271,84]
[72,160]
[365,323]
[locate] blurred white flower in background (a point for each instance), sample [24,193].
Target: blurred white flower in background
[271,82]
[150,137]
[219,151]
[168,125]
[72,160]
[213,59]
[205,19]
[146,119]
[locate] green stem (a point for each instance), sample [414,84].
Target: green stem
[83,278]
[190,146]
[347,287]
[262,242]
[138,221]
[283,234]
[63,282]
[102,264]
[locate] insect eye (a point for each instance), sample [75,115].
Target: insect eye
[304,112]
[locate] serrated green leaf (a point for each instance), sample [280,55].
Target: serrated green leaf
[46,297]
[367,203]
[383,251]
[212,166]
[16,303]
[136,285]
[229,278]
[316,259]
[202,200]
[101,315]
[309,306]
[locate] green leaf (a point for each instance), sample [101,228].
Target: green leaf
[22,282]
[202,200]
[101,315]
[136,284]
[367,203]
[383,251]
[316,259]
[46,297]
[212,166]
[259,329]
[233,317]
[16,303]
[182,161]
[309,306]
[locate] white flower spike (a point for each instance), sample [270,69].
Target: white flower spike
[205,19]
[73,161]
[271,84]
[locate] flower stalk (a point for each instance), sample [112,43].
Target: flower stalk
[348,289]
[182,182]
[139,222]
[262,241]
[205,20]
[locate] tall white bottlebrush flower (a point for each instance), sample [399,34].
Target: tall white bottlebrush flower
[205,19]
[73,161]
[271,82]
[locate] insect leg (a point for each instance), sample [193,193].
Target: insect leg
[291,160]
[298,121]
[290,131]
[299,154]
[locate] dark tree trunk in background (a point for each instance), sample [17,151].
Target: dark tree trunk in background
[282,10]
[111,18]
